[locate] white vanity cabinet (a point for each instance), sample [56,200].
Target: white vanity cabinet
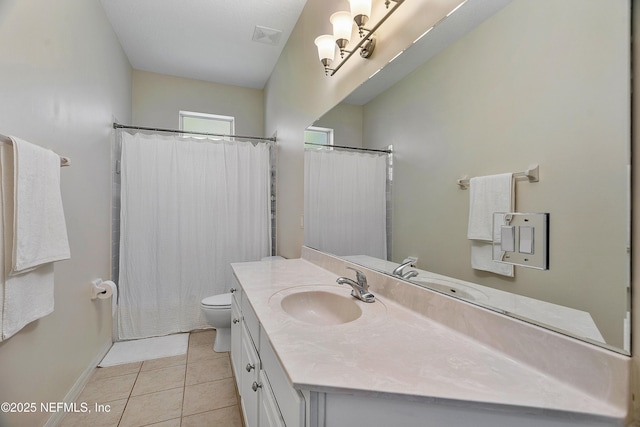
[266,396]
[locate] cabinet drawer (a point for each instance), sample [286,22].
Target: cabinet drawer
[251,321]
[290,401]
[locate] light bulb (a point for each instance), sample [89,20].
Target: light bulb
[342,27]
[326,49]
[360,11]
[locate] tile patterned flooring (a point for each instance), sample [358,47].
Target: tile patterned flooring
[192,390]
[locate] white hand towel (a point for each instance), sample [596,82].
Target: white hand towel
[23,297]
[482,259]
[488,194]
[40,232]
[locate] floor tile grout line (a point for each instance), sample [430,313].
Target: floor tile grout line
[156,391]
[184,388]
[211,410]
[129,397]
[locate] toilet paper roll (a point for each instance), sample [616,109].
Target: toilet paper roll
[110,292]
[107,289]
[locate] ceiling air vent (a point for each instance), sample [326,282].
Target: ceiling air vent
[266,35]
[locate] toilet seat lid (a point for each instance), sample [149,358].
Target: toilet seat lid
[222,300]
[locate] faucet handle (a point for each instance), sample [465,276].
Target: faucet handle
[360,276]
[412,259]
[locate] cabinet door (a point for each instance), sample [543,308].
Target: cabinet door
[290,401]
[236,340]
[269,413]
[249,386]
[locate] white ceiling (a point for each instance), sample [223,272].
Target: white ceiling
[207,40]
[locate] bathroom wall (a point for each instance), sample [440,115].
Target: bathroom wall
[505,96]
[298,93]
[63,78]
[157,99]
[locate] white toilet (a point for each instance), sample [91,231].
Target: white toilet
[217,311]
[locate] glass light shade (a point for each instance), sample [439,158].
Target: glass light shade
[360,7]
[326,47]
[342,25]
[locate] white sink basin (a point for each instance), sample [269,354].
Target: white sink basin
[326,305]
[321,307]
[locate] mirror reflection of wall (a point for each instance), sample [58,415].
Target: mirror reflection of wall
[542,82]
[346,122]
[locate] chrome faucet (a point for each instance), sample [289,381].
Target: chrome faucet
[409,274]
[408,262]
[360,286]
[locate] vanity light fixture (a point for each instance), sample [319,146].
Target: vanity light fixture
[326,49]
[361,11]
[342,28]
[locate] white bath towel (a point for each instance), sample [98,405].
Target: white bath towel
[40,232]
[24,297]
[487,195]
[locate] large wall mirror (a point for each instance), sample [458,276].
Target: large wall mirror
[542,82]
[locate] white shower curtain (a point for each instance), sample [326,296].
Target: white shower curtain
[345,207]
[189,207]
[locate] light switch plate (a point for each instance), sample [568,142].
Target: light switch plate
[531,236]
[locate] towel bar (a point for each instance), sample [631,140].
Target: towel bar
[532,174]
[64,161]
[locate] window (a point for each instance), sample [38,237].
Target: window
[208,123]
[317,135]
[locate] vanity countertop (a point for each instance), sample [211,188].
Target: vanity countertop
[399,353]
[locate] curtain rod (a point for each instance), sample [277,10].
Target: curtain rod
[257,138]
[350,148]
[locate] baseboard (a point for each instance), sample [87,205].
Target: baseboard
[77,388]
